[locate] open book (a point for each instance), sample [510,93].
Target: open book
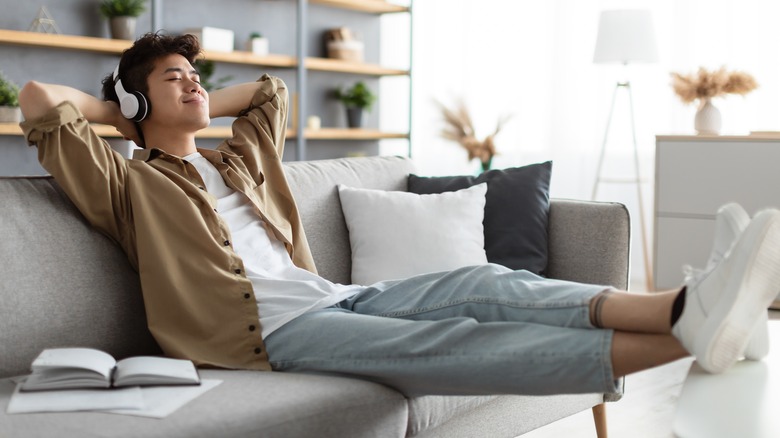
[67,368]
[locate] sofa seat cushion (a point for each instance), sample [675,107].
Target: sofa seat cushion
[245,404]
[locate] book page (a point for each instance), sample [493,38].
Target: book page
[61,368]
[86,358]
[64,378]
[152,370]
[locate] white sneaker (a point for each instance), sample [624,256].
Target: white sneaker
[716,331]
[730,221]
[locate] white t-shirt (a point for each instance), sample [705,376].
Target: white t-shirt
[283,290]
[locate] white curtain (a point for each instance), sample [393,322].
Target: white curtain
[533,59]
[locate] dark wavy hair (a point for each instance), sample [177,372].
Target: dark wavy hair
[137,62]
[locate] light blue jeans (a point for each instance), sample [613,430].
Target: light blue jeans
[475,330]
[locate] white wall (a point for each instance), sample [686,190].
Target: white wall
[533,59]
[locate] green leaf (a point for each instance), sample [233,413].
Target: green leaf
[359,95]
[9,92]
[122,8]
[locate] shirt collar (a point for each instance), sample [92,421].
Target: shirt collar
[216,155]
[210,154]
[146,154]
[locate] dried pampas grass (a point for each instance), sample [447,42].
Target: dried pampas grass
[460,128]
[708,84]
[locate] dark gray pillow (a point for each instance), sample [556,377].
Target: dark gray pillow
[516,211]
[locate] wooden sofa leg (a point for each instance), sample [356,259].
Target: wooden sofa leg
[600,418]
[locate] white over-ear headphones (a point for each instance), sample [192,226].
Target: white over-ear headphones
[132,105]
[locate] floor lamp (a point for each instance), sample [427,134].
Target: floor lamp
[626,36]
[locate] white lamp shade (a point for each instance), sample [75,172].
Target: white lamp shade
[626,36]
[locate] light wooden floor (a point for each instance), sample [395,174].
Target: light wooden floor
[645,411]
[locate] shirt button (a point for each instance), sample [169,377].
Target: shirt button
[247,296]
[237,271]
[251,328]
[227,243]
[258,350]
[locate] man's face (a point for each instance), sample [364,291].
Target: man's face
[175,94]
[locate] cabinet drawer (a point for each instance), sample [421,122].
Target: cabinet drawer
[680,241]
[697,177]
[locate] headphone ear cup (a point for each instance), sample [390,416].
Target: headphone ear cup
[144,108]
[128,104]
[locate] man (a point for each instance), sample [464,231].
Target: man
[228,279]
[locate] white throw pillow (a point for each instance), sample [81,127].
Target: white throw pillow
[397,235]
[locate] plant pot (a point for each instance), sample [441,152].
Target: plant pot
[122,28]
[707,121]
[355,117]
[346,50]
[258,46]
[10,114]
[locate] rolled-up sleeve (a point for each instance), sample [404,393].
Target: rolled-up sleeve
[92,174]
[259,131]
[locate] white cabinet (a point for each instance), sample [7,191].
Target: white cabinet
[694,176]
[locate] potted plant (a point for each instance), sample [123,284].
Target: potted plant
[9,101]
[122,16]
[257,44]
[357,100]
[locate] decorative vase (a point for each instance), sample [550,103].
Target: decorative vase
[10,114]
[485,165]
[354,117]
[123,28]
[707,119]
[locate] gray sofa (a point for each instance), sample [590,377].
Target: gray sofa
[64,284]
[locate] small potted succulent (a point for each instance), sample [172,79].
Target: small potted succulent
[9,101]
[257,44]
[122,15]
[357,99]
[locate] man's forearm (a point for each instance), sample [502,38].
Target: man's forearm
[229,101]
[36,99]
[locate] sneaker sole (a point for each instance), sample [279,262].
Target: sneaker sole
[758,346]
[732,322]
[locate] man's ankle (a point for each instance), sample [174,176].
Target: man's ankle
[677,306]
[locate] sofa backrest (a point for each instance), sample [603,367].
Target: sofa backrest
[64,284]
[61,282]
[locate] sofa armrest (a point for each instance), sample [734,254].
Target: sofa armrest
[589,242]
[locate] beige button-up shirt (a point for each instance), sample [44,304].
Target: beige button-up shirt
[199,303]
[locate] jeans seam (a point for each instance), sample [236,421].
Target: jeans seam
[533,359]
[490,301]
